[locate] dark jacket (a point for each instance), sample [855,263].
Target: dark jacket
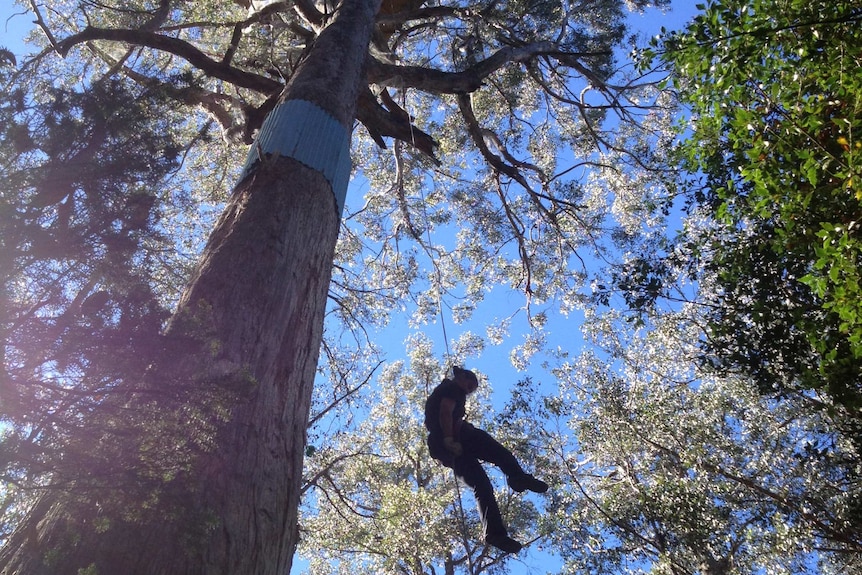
[452,390]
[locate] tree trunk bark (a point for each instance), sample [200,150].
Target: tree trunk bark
[259,295]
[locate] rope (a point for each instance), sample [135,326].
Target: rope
[443,321]
[428,235]
[462,523]
[462,516]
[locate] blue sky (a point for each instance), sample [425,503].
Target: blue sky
[14,24]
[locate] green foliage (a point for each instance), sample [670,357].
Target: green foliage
[673,468]
[113,178]
[774,89]
[722,415]
[83,309]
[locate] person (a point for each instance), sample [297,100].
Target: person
[458,445]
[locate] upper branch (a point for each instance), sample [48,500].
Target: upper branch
[177,47]
[466,81]
[475,131]
[394,123]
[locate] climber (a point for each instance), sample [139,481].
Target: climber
[460,446]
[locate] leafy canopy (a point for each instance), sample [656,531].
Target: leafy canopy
[495,140]
[774,91]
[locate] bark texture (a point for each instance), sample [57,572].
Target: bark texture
[258,297]
[283,222]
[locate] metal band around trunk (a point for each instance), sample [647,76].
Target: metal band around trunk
[305,132]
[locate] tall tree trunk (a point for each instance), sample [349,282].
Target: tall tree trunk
[259,296]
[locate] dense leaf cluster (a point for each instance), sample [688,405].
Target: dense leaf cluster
[773,89]
[706,455]
[82,319]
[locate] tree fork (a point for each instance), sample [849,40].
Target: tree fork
[260,289]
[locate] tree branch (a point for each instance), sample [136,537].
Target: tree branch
[478,138]
[210,101]
[381,122]
[466,81]
[318,416]
[177,47]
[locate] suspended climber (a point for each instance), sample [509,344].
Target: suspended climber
[460,446]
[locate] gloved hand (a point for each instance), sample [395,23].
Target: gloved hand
[453,446]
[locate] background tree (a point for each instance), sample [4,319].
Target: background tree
[756,275]
[664,465]
[213,412]
[80,247]
[773,89]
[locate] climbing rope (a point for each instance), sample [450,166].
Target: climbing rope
[462,523]
[461,514]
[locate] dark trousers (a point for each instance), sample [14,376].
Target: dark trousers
[478,446]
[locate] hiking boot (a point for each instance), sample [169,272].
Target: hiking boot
[503,542]
[525,481]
